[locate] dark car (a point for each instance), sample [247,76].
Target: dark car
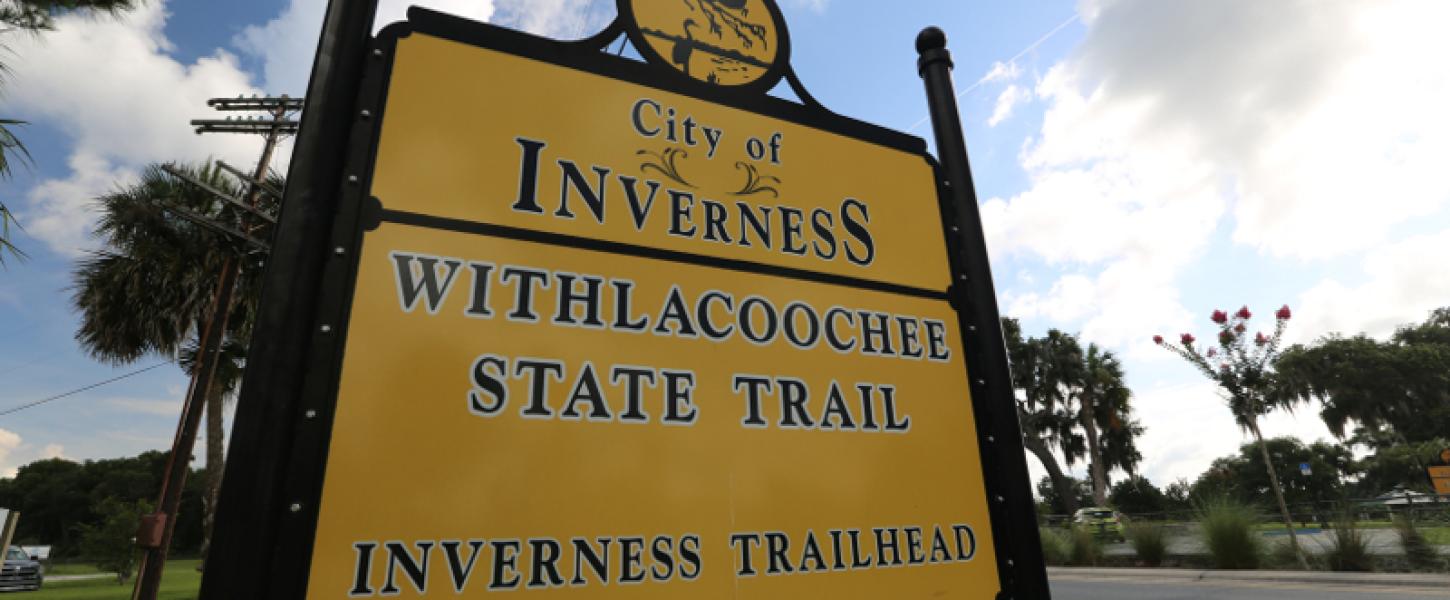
[21,571]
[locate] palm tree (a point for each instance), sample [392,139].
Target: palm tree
[1104,412]
[1045,422]
[32,16]
[152,288]
[1076,401]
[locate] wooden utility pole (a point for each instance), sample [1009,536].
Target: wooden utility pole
[154,536]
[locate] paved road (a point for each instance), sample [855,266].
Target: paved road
[1070,587]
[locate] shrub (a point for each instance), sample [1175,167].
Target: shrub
[1419,552]
[111,540]
[1348,548]
[1228,531]
[1150,542]
[1084,548]
[1054,546]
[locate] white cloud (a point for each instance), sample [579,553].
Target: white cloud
[1006,102]
[52,451]
[119,118]
[1404,282]
[1189,425]
[816,6]
[288,43]
[1309,109]
[1316,126]
[61,210]
[9,442]
[1001,71]
[561,19]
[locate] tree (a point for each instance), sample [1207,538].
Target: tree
[1248,383]
[1073,400]
[1245,478]
[1058,504]
[1137,495]
[1395,392]
[111,540]
[1043,420]
[1177,497]
[151,290]
[32,16]
[54,495]
[1398,466]
[1105,413]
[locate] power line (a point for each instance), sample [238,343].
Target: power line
[80,389]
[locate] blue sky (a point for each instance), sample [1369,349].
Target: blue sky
[1140,163]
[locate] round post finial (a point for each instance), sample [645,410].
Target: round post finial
[931,38]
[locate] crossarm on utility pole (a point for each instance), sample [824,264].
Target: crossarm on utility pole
[214,226]
[254,211]
[271,191]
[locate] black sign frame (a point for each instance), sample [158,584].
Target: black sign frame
[268,512]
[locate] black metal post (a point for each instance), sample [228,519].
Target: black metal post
[1014,515]
[244,559]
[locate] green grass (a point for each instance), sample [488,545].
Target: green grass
[1436,535]
[1055,547]
[180,581]
[71,569]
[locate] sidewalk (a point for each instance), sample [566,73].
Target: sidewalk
[1415,580]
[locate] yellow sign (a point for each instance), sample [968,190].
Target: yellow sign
[1441,476]
[724,42]
[607,341]
[1442,485]
[645,167]
[702,433]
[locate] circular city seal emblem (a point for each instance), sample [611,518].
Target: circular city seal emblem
[723,42]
